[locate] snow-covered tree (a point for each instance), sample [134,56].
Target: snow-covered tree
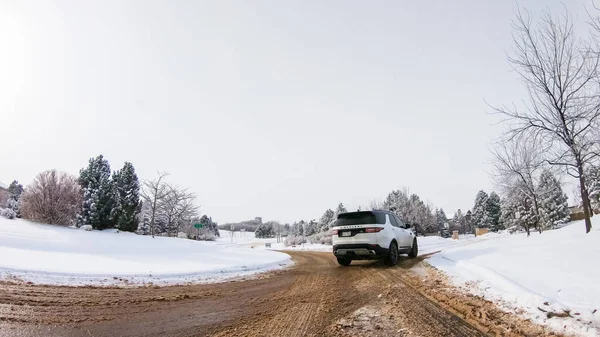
[154,193]
[397,202]
[14,197]
[480,217]
[553,205]
[340,209]
[311,228]
[327,220]
[518,209]
[127,198]
[458,221]
[592,179]
[493,210]
[143,219]
[440,218]
[98,194]
[265,230]
[208,223]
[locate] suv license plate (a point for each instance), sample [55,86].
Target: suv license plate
[346,233]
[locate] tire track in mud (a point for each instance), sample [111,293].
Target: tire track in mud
[306,300]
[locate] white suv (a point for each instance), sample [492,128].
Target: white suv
[372,235]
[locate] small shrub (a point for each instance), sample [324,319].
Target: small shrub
[323,238]
[207,236]
[293,240]
[8,213]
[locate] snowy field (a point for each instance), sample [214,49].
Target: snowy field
[247,239]
[59,255]
[556,271]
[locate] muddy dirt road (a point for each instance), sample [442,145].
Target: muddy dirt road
[306,300]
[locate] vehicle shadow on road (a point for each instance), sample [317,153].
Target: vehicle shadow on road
[403,262]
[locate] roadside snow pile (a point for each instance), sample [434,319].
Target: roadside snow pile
[555,273]
[60,255]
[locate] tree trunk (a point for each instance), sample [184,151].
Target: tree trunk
[585,200]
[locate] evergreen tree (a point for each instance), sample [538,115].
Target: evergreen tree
[493,210]
[480,216]
[143,219]
[98,194]
[592,180]
[459,221]
[311,228]
[301,227]
[327,220]
[265,230]
[294,231]
[397,201]
[340,209]
[440,219]
[517,209]
[14,197]
[208,223]
[127,198]
[553,205]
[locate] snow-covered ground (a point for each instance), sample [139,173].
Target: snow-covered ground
[247,239]
[59,255]
[556,271]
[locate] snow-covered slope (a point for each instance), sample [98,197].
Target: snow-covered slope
[559,267]
[59,255]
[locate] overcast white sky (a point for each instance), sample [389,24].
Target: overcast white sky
[277,109]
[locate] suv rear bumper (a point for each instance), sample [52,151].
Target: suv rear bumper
[360,251]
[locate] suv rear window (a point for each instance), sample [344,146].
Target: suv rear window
[360,218]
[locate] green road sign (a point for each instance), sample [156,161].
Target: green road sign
[198,225]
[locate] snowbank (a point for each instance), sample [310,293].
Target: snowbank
[60,255]
[555,271]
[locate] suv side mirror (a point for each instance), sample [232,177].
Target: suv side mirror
[407,225]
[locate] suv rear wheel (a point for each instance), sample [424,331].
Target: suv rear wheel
[414,251]
[344,262]
[392,258]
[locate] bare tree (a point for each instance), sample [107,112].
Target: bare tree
[517,165]
[53,197]
[179,206]
[560,73]
[154,192]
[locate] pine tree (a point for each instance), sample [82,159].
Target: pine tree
[493,210]
[518,209]
[143,219]
[340,209]
[98,194]
[397,201]
[592,180]
[265,230]
[553,205]
[440,218]
[327,220]
[480,215]
[127,198]
[14,197]
[209,224]
[311,228]
[301,227]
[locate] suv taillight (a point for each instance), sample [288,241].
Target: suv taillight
[334,232]
[373,229]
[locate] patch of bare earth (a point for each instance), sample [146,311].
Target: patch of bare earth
[314,298]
